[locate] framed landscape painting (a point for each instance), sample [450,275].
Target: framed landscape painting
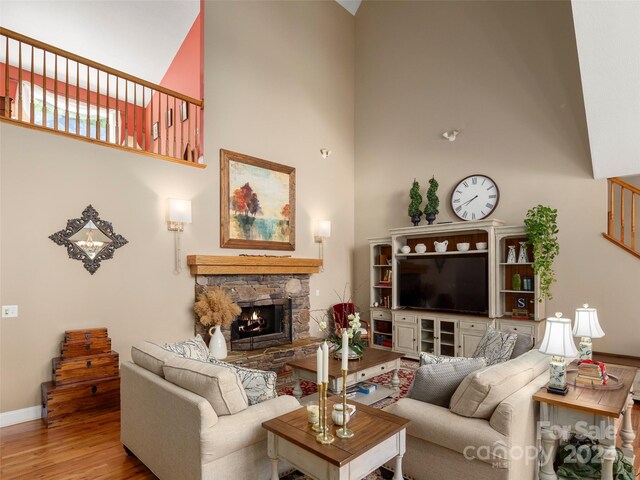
[257,203]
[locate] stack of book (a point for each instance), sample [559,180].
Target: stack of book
[591,373]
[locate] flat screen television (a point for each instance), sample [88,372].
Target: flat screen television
[447,283]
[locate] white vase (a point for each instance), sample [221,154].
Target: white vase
[522,256]
[511,256]
[217,344]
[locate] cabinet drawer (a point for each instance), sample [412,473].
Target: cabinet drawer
[468,325]
[519,327]
[402,317]
[380,315]
[373,371]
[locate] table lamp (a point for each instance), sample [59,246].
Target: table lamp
[558,342]
[587,327]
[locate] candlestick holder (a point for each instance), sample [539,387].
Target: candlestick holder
[324,437]
[344,432]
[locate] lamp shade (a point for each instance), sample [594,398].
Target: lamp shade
[557,338]
[324,228]
[179,210]
[586,324]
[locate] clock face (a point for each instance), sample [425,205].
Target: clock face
[475,197]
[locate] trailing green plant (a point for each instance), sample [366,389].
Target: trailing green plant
[416,199]
[433,202]
[542,234]
[581,458]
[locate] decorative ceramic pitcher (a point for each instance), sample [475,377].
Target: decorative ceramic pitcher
[337,416]
[441,246]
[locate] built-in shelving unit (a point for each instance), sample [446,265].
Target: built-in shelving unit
[414,331]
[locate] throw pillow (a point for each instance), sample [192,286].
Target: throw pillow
[150,356]
[220,386]
[436,383]
[495,346]
[194,348]
[260,385]
[430,359]
[524,343]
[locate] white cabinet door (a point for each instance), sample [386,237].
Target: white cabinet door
[469,340]
[404,337]
[446,331]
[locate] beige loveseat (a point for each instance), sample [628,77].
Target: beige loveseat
[178,435]
[498,444]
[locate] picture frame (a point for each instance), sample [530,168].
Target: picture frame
[257,203]
[184,111]
[170,118]
[155,130]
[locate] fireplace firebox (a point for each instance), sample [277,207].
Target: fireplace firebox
[262,324]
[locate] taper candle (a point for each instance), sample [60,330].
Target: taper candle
[345,349]
[319,362]
[325,362]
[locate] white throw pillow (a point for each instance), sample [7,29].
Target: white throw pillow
[259,385]
[151,357]
[496,346]
[431,359]
[194,348]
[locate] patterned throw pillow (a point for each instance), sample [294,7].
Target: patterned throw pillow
[436,383]
[194,348]
[495,346]
[260,385]
[430,359]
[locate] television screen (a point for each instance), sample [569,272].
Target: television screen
[447,283]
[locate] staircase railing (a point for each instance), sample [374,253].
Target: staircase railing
[47,88]
[619,230]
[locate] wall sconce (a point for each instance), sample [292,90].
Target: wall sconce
[323,232]
[325,152]
[178,213]
[451,136]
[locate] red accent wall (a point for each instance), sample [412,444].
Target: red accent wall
[185,75]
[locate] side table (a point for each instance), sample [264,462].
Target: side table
[379,437]
[590,412]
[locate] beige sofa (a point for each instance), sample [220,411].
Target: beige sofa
[500,444]
[177,434]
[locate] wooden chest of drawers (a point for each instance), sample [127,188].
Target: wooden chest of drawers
[85,377]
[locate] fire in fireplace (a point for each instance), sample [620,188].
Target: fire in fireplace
[262,326]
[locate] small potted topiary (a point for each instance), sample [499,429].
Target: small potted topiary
[416,200]
[433,202]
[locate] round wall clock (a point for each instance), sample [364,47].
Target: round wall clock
[475,197]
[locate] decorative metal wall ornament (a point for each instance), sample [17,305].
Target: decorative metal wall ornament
[89,239]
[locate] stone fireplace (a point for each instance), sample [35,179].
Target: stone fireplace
[273,293]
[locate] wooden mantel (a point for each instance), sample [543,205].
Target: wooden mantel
[248,265]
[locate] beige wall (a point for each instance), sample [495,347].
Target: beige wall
[506,75]
[280,86]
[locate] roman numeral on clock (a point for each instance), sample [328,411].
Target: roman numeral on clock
[473,216]
[459,191]
[456,200]
[492,196]
[464,215]
[474,180]
[466,185]
[489,206]
[492,186]
[458,208]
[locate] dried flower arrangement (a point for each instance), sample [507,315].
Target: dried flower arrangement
[215,308]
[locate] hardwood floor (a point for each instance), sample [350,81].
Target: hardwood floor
[88,449]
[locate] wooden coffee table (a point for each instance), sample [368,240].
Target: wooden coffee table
[379,437]
[373,362]
[594,411]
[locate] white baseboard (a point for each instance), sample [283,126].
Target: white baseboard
[19,416]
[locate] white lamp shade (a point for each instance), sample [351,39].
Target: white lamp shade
[324,228]
[587,324]
[179,210]
[557,338]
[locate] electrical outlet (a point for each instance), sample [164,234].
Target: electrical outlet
[9,311]
[317,292]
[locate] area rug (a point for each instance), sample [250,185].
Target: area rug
[406,373]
